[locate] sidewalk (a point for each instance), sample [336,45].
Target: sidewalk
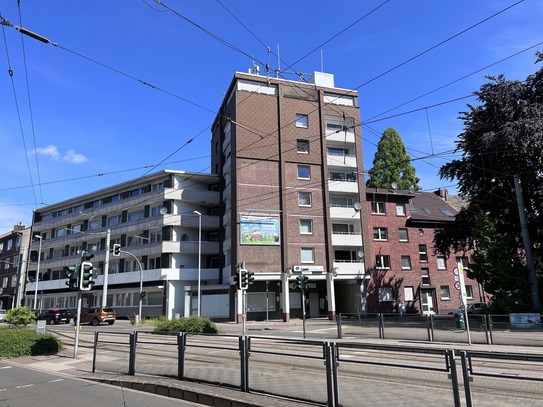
[63,363]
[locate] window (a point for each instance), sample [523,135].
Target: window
[406,262]
[4,282]
[304,198]
[463,260]
[342,229]
[95,224]
[378,208]
[302,120]
[441,264]
[307,255]
[114,220]
[304,172]
[445,292]
[469,291]
[10,244]
[135,216]
[404,234]
[400,209]
[385,294]
[306,226]
[338,151]
[423,254]
[302,146]
[341,202]
[409,293]
[382,261]
[425,272]
[380,234]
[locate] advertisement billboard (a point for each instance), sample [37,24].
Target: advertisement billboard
[259,230]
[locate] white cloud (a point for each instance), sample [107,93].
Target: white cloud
[71,156]
[50,150]
[74,158]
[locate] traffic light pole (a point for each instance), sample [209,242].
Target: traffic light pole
[303,309]
[106,269]
[78,319]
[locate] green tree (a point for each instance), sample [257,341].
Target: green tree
[502,136]
[392,164]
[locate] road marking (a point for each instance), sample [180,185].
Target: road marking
[56,380]
[23,386]
[5,367]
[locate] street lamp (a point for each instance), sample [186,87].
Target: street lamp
[37,275]
[199,254]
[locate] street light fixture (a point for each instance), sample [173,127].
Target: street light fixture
[199,254]
[37,274]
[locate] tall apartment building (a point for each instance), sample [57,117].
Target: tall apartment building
[13,255]
[167,226]
[289,155]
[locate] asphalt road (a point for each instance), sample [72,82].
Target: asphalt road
[23,387]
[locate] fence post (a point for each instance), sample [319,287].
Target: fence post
[329,381]
[242,350]
[335,364]
[488,328]
[339,331]
[247,355]
[181,349]
[381,326]
[94,351]
[132,355]
[431,328]
[454,377]
[466,378]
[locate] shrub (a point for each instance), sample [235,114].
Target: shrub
[21,316]
[16,342]
[191,324]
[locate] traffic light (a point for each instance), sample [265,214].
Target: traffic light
[72,277]
[116,249]
[87,275]
[143,294]
[302,282]
[244,282]
[250,277]
[305,282]
[237,280]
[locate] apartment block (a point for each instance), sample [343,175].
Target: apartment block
[167,227]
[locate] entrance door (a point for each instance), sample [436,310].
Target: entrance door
[314,305]
[427,302]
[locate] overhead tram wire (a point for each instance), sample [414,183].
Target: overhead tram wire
[456,80]
[4,22]
[31,115]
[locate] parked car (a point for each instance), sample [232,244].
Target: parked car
[55,316]
[475,308]
[2,314]
[96,315]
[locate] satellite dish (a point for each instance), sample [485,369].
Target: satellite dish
[394,185]
[357,206]
[163,210]
[360,254]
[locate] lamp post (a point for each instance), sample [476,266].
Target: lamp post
[199,254]
[37,274]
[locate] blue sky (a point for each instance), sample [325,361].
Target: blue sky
[79,116]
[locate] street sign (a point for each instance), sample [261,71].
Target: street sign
[457,285]
[455,271]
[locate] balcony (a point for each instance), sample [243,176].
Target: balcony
[344,212]
[347,239]
[335,160]
[355,269]
[339,185]
[341,136]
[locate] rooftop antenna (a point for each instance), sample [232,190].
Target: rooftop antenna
[322,61]
[278,62]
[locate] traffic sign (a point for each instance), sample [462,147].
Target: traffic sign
[457,285]
[455,271]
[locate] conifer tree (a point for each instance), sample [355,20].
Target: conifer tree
[392,164]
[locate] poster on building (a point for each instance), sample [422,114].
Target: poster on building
[259,230]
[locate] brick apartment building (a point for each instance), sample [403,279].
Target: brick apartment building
[290,159]
[404,268]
